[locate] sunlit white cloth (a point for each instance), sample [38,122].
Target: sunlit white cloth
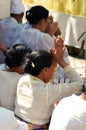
[72,28]
[69,114]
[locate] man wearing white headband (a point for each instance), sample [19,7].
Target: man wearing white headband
[17,10]
[9,26]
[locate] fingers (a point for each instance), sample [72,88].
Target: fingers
[52,51]
[51,18]
[59,42]
[58,32]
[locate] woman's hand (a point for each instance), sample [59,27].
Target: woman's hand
[58,52]
[52,28]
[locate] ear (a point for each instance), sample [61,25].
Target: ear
[45,70]
[21,15]
[42,23]
[43,20]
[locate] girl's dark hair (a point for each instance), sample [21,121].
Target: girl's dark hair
[15,56]
[36,13]
[36,61]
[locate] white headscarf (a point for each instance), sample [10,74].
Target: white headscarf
[17,7]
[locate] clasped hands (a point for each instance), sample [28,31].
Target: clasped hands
[58,51]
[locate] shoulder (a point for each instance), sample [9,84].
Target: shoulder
[8,76]
[8,20]
[29,78]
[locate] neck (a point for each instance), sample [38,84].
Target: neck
[38,26]
[83,96]
[16,69]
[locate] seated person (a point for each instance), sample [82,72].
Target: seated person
[70,113]
[54,30]
[38,18]
[9,27]
[14,60]
[17,10]
[36,95]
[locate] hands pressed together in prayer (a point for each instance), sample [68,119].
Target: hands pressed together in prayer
[53,28]
[58,52]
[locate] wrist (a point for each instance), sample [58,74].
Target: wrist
[63,64]
[67,68]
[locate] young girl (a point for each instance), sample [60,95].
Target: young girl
[35,94]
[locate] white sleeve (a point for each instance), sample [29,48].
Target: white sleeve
[57,92]
[45,42]
[72,117]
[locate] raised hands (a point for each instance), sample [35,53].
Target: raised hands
[58,52]
[53,28]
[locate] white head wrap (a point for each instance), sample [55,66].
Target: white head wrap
[17,7]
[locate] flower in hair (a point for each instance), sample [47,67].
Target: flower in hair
[33,65]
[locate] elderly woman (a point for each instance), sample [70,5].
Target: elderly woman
[14,60]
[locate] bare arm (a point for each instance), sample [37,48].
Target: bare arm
[2,47]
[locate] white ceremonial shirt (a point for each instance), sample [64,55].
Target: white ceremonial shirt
[35,99]
[8,88]
[36,39]
[9,32]
[69,114]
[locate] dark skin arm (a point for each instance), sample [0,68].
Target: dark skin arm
[2,47]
